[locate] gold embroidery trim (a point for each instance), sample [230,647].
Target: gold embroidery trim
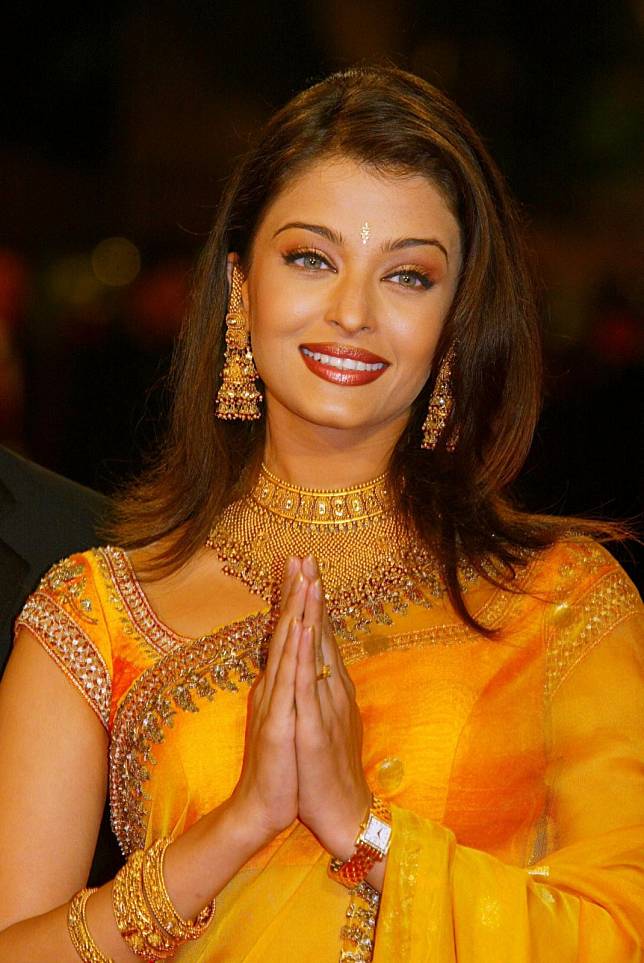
[496,610]
[67,580]
[357,936]
[540,872]
[584,558]
[71,648]
[231,657]
[118,568]
[574,628]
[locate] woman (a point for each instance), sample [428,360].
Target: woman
[413,732]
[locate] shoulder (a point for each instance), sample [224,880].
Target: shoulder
[66,614]
[586,596]
[576,565]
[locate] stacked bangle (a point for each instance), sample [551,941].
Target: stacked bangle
[135,922]
[79,934]
[144,913]
[165,914]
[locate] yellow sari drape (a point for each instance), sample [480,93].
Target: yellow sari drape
[513,765]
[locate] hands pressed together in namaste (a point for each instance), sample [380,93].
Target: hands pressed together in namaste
[304,736]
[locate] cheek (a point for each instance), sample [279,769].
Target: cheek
[274,339]
[277,313]
[415,345]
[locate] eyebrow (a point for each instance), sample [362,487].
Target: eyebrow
[336,238]
[326,232]
[404,242]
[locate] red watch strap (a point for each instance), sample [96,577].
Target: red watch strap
[354,870]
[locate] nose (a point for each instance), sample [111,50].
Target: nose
[350,306]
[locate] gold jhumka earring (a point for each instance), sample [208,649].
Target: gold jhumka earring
[238,396]
[440,407]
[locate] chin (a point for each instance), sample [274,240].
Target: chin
[330,416]
[342,421]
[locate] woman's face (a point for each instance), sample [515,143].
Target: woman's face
[351,275]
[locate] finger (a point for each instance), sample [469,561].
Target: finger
[293,609]
[338,684]
[291,568]
[307,701]
[327,651]
[313,620]
[310,567]
[282,699]
[312,617]
[319,615]
[329,643]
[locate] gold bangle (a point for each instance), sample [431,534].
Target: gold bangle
[133,918]
[79,934]
[160,903]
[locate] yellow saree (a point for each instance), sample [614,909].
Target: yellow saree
[513,765]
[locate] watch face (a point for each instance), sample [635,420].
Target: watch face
[377,834]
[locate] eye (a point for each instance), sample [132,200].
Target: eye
[308,258]
[410,278]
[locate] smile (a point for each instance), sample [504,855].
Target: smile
[345,364]
[342,364]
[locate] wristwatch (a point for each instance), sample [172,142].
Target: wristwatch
[371,846]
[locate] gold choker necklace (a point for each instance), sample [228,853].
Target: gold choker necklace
[368,559]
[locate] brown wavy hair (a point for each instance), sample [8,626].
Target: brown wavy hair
[457,501]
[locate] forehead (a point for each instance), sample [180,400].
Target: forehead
[342,193]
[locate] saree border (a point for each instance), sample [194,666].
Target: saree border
[226,660]
[574,628]
[133,602]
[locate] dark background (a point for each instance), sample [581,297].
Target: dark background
[122,120]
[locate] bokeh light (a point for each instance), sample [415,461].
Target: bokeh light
[116,261]
[71,281]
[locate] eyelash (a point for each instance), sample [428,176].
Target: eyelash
[413,272]
[305,252]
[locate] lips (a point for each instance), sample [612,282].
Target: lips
[343,364]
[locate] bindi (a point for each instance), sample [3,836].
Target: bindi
[365,232]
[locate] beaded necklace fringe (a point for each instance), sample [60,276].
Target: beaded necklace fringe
[368,559]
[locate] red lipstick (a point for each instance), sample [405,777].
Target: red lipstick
[354,366]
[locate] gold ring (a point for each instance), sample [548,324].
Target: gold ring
[324,672]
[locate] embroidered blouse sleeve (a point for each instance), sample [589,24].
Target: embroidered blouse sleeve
[584,900]
[65,614]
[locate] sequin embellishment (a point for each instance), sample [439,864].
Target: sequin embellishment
[357,936]
[67,580]
[130,600]
[575,628]
[71,649]
[231,657]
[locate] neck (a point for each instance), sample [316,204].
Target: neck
[313,456]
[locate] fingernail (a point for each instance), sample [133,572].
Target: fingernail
[307,634]
[291,566]
[317,588]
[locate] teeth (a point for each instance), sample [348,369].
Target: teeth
[344,364]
